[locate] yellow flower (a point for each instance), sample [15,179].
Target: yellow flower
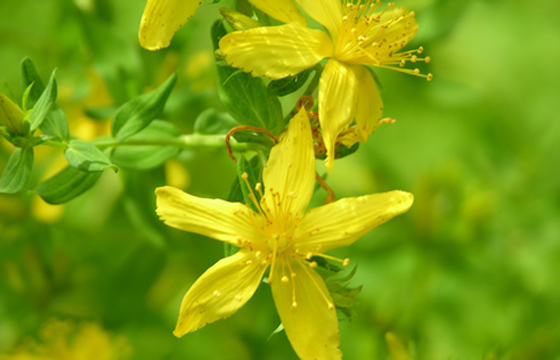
[65,340]
[163,18]
[358,36]
[282,235]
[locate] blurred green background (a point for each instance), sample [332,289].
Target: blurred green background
[470,272]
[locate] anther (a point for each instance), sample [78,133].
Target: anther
[313,264]
[244,176]
[217,293]
[238,298]
[294,305]
[416,71]
[330,306]
[346,262]
[308,256]
[413,59]
[427,59]
[284,279]
[429,77]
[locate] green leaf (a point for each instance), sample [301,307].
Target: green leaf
[138,113]
[17,171]
[55,123]
[85,156]
[44,104]
[30,76]
[139,203]
[246,97]
[144,157]
[214,122]
[286,86]
[66,185]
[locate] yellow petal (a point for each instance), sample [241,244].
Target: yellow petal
[289,175]
[283,10]
[326,12]
[218,219]
[220,291]
[276,51]
[338,94]
[346,220]
[369,108]
[312,325]
[395,29]
[162,19]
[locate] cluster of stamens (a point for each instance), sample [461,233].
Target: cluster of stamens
[276,243]
[368,37]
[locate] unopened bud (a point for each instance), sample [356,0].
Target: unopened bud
[238,21]
[11,115]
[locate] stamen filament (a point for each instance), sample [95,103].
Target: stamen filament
[325,297]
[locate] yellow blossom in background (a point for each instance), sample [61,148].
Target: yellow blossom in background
[282,236]
[359,35]
[65,340]
[163,18]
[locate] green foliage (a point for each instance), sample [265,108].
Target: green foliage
[245,96]
[85,156]
[144,157]
[343,295]
[138,113]
[66,185]
[289,84]
[55,123]
[212,122]
[43,105]
[17,170]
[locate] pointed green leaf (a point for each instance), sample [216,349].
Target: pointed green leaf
[138,113]
[55,124]
[245,96]
[214,122]
[30,76]
[144,157]
[66,185]
[283,87]
[85,156]
[44,104]
[17,171]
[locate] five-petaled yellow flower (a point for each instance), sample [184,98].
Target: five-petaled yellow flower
[358,36]
[163,18]
[282,236]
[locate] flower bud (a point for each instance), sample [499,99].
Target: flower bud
[238,21]
[11,115]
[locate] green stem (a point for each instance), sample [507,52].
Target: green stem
[191,141]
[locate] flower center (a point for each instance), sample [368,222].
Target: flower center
[274,244]
[368,37]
